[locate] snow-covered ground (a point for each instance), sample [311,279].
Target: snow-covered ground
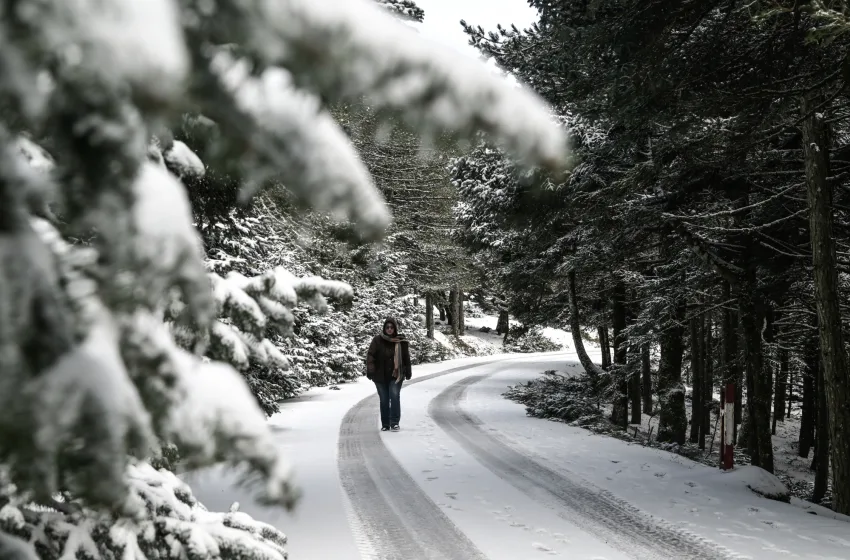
[470,476]
[480,332]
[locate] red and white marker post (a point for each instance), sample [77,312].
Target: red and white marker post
[727,426]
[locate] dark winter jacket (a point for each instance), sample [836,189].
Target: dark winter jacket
[379,357]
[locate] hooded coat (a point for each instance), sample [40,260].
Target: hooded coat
[381,353]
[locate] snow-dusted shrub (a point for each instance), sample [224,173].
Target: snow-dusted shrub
[324,353]
[174,525]
[528,341]
[473,346]
[553,395]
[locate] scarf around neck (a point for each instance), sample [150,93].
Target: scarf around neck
[396,355]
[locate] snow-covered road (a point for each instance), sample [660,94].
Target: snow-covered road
[470,476]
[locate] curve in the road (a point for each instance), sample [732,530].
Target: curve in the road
[592,509]
[393,518]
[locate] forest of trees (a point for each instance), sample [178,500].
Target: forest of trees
[705,223]
[181,225]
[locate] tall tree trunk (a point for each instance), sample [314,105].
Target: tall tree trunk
[790,399]
[707,380]
[821,463]
[451,311]
[673,420]
[781,389]
[429,314]
[807,416]
[604,347]
[731,369]
[619,412]
[696,379]
[646,378]
[575,326]
[634,385]
[442,309]
[461,315]
[833,356]
[503,324]
[759,388]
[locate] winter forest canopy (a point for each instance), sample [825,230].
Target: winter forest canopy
[198,225]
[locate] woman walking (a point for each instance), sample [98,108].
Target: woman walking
[388,365]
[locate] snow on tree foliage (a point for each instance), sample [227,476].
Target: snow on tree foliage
[404,9]
[105,346]
[174,525]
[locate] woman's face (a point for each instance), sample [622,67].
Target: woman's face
[389,329]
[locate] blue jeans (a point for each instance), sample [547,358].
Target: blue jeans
[389,393]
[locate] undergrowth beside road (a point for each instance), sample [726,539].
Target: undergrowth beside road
[573,400]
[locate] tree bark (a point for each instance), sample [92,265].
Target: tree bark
[619,412]
[759,388]
[731,369]
[575,326]
[672,418]
[451,311]
[707,380]
[634,386]
[790,399]
[503,323]
[696,379]
[429,314]
[442,309]
[461,315]
[827,297]
[821,462]
[781,389]
[646,378]
[603,344]
[807,416]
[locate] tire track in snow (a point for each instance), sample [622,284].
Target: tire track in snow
[391,517]
[594,510]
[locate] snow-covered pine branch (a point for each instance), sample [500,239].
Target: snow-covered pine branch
[91,382]
[176,526]
[405,9]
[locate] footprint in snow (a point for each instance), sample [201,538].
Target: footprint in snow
[691,484]
[452,495]
[543,548]
[427,471]
[561,538]
[432,478]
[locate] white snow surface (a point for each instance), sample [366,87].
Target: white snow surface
[184,161]
[375,56]
[501,521]
[124,41]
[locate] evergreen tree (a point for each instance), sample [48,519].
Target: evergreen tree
[92,380]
